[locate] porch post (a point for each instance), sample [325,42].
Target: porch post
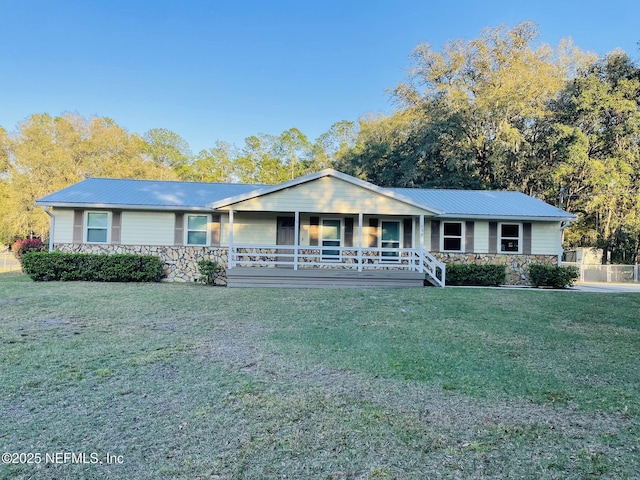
[230,261]
[360,217]
[296,240]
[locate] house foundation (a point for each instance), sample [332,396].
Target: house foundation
[517,265]
[180,264]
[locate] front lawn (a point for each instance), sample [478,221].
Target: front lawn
[186,381]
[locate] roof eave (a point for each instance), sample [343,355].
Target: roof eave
[125,206]
[541,218]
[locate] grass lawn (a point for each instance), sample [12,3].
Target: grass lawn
[193,382]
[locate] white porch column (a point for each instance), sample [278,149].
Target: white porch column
[230,238]
[421,232]
[296,240]
[360,218]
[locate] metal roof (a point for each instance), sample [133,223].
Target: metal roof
[170,195]
[151,194]
[485,203]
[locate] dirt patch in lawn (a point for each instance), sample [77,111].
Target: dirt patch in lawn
[242,347]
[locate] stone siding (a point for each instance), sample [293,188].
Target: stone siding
[180,264]
[517,265]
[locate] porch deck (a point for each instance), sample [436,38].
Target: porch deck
[322,278]
[333,266]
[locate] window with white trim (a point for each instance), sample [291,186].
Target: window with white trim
[509,237]
[97,227]
[197,230]
[452,237]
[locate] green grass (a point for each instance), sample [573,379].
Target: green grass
[194,382]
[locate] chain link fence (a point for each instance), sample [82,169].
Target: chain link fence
[607,273]
[8,262]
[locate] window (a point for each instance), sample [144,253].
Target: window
[331,230]
[452,237]
[509,237]
[197,230]
[97,227]
[390,238]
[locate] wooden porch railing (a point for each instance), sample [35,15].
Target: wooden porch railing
[302,256]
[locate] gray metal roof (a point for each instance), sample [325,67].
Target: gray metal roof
[156,195]
[169,195]
[484,203]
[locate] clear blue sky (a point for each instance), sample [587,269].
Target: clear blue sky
[225,70]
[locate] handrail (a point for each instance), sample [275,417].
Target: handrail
[304,256]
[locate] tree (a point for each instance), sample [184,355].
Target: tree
[294,149]
[168,149]
[598,155]
[216,164]
[49,153]
[332,145]
[470,116]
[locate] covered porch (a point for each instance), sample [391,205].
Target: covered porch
[363,250]
[328,225]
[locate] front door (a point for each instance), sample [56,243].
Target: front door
[390,238]
[331,237]
[285,235]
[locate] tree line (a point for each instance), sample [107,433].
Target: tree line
[496,112]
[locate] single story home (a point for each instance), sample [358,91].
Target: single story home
[325,228]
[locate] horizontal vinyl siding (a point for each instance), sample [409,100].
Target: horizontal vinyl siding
[261,229]
[544,238]
[329,194]
[147,228]
[481,237]
[251,228]
[63,229]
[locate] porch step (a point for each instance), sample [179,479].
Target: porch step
[322,278]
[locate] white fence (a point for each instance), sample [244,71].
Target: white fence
[607,273]
[297,257]
[8,262]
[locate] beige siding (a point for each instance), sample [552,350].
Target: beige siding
[330,195]
[254,228]
[481,237]
[63,229]
[261,229]
[249,228]
[147,228]
[545,237]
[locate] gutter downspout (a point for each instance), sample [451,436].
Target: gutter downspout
[52,226]
[563,225]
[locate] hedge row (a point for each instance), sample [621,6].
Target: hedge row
[556,277]
[43,266]
[478,275]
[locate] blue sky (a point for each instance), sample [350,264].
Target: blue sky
[225,70]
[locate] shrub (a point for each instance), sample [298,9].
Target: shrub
[20,247]
[478,275]
[42,266]
[556,277]
[209,271]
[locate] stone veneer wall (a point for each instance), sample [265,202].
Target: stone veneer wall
[180,263]
[517,265]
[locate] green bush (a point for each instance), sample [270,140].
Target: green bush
[209,271]
[42,266]
[478,275]
[556,277]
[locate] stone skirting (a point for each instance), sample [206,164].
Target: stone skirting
[517,265]
[180,264]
